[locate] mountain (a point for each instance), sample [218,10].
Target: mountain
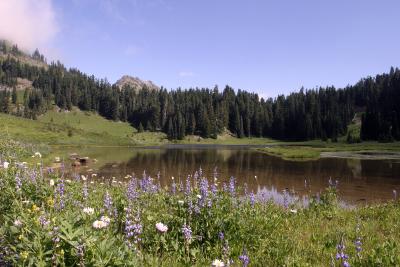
[135,83]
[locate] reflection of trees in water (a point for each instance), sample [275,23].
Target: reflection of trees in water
[357,177]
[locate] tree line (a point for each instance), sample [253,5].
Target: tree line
[322,113]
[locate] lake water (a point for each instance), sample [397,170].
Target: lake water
[360,180]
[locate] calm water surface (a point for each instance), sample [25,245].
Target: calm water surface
[360,180]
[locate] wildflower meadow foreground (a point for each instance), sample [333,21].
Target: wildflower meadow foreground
[50,219]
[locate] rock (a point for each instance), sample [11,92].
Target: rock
[76,164]
[84,160]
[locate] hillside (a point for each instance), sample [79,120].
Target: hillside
[317,113]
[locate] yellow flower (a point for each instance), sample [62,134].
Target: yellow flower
[35,208]
[50,202]
[24,255]
[20,237]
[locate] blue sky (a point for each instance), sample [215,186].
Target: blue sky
[269,47]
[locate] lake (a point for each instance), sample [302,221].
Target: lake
[361,180]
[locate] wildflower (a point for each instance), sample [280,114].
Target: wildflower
[161,227]
[252,199]
[6,164]
[60,193]
[133,228]
[51,182]
[181,202]
[43,221]
[394,194]
[37,154]
[187,232]
[218,263]
[108,202]
[85,191]
[293,211]
[105,219]
[341,256]
[99,224]
[17,223]
[88,210]
[18,183]
[34,208]
[198,196]
[232,186]
[221,235]
[24,255]
[244,258]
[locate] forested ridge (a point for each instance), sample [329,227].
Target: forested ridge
[318,113]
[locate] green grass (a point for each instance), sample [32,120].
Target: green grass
[76,128]
[271,235]
[311,150]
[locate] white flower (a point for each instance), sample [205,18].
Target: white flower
[5,164]
[17,223]
[83,177]
[68,181]
[92,182]
[161,227]
[88,210]
[180,202]
[57,159]
[37,154]
[199,196]
[293,211]
[99,224]
[105,219]
[172,178]
[218,263]
[94,174]
[51,182]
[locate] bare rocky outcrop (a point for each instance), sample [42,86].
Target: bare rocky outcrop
[135,83]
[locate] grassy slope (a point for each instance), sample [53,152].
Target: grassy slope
[83,128]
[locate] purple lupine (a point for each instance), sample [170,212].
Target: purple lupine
[108,203]
[195,179]
[203,191]
[188,187]
[244,258]
[131,191]
[221,236]
[190,206]
[214,189]
[357,242]
[232,186]
[187,232]
[133,228]
[285,198]
[85,191]
[43,221]
[59,195]
[18,182]
[341,256]
[173,187]
[80,251]
[252,199]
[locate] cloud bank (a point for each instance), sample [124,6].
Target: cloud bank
[29,23]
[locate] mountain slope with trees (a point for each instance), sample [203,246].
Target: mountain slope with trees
[318,113]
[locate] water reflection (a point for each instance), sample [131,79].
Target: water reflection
[359,180]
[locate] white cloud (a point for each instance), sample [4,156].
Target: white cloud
[29,23]
[186,74]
